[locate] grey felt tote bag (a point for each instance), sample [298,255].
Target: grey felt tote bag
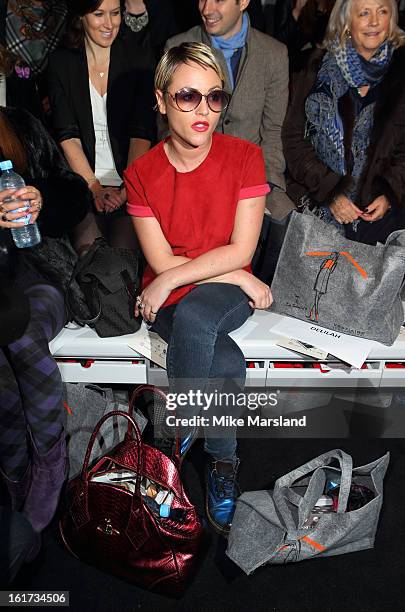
[271,527]
[350,287]
[85,404]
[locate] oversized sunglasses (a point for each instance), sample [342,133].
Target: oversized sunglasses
[188,100]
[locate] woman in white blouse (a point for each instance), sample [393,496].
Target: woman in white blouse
[101,97]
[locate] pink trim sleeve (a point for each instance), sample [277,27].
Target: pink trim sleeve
[254,192]
[137,210]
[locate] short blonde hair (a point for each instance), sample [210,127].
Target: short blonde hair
[340,18]
[184,54]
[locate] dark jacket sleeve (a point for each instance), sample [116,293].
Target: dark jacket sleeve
[286,29]
[135,76]
[66,196]
[256,16]
[307,174]
[143,119]
[63,117]
[162,25]
[390,182]
[386,167]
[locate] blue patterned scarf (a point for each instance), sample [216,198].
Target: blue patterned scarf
[228,46]
[342,68]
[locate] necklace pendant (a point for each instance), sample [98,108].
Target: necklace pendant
[136,22]
[101,74]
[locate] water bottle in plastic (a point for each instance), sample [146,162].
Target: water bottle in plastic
[28,235]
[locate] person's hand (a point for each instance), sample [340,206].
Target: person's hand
[106,199]
[376,210]
[258,292]
[97,190]
[299,5]
[344,210]
[112,198]
[152,297]
[27,198]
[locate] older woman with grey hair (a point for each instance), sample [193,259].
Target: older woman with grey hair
[344,134]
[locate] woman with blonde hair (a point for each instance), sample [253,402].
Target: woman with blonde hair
[197,201]
[344,135]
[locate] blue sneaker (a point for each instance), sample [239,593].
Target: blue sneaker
[221,493]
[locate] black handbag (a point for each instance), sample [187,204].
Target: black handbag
[56,260]
[108,278]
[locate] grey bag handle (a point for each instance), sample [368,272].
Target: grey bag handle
[105,392]
[397,239]
[282,490]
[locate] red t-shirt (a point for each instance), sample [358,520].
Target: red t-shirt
[196,210]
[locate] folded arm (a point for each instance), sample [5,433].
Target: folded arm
[222,264]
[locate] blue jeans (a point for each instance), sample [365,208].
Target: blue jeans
[201,355]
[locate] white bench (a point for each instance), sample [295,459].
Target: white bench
[83,356]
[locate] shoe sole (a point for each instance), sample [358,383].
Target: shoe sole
[216,526]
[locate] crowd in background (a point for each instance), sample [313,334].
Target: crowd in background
[299,24]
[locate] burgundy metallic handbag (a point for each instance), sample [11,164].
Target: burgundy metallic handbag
[129,514]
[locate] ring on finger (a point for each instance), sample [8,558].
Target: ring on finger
[4,217]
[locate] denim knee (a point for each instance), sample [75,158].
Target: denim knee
[209,306]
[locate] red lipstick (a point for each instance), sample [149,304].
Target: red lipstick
[200,126]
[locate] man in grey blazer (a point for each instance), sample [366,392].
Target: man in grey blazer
[256,69]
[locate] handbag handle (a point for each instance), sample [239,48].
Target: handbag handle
[114,413]
[156,391]
[79,320]
[281,487]
[136,529]
[79,267]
